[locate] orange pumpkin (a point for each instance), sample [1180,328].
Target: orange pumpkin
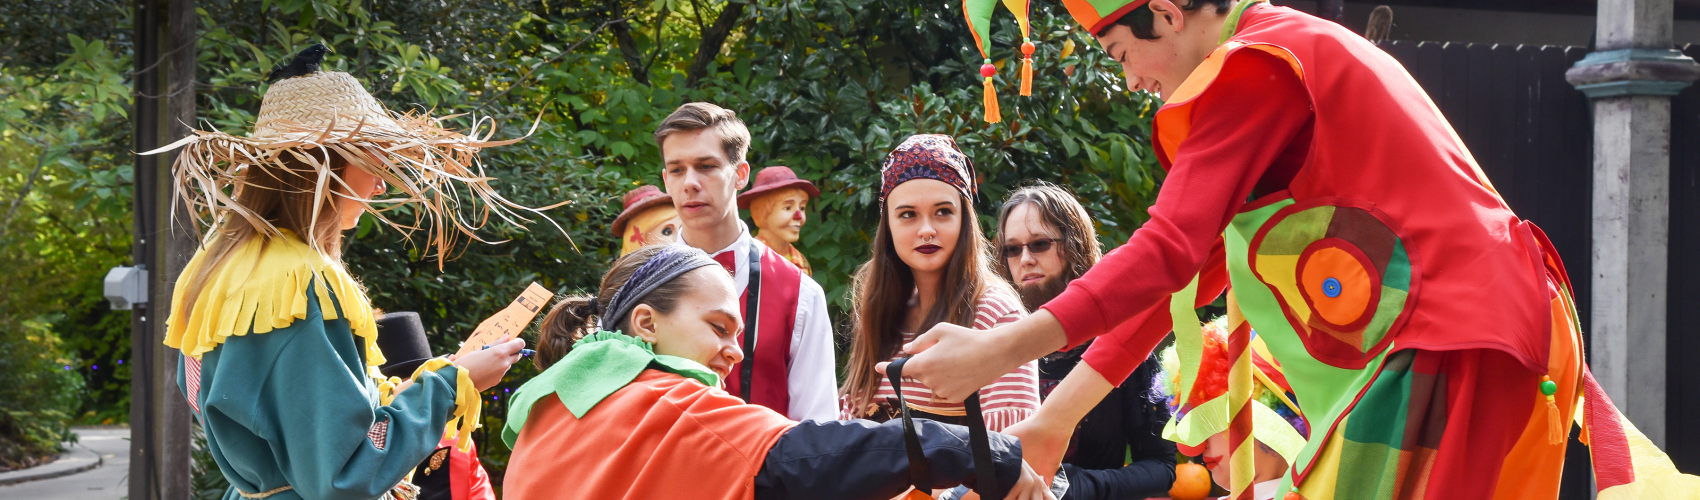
[1192,482]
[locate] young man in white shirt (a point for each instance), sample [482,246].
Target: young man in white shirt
[788,348]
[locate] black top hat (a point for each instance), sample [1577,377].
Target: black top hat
[401,337]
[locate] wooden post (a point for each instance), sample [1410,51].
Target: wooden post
[176,243]
[164,93]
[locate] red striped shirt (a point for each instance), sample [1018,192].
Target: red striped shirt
[1009,399]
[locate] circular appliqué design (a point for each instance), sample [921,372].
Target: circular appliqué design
[1342,275]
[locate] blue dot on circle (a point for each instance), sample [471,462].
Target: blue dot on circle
[1331,287]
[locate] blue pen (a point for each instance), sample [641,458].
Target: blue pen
[522,352]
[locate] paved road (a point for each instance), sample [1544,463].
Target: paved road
[106,482]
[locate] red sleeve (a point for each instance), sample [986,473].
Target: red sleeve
[1240,125]
[1120,352]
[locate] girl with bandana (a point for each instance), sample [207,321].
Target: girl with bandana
[632,408]
[930,265]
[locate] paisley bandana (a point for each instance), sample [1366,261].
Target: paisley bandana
[927,156]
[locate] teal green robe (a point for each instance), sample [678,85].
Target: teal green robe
[293,407]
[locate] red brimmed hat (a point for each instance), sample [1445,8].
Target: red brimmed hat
[773,179]
[638,200]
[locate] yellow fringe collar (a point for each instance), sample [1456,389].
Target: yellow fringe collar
[262,287]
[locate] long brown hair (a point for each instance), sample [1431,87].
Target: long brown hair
[883,286]
[281,194]
[1060,210]
[570,319]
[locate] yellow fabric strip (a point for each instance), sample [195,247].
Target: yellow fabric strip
[262,287]
[468,406]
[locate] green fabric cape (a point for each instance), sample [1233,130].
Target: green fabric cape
[598,365]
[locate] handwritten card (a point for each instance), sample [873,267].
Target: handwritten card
[510,321]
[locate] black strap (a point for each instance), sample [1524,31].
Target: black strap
[985,475]
[752,317]
[920,473]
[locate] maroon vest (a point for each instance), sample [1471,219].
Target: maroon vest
[775,287]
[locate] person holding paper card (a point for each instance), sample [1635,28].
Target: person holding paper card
[930,265]
[628,407]
[279,344]
[788,363]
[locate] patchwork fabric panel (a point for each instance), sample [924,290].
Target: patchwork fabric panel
[1342,274]
[1385,447]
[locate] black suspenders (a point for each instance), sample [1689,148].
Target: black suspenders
[752,317]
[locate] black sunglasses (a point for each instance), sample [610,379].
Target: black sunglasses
[1038,246]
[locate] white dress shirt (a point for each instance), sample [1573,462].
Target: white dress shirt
[811,376]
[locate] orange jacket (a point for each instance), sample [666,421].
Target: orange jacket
[662,436]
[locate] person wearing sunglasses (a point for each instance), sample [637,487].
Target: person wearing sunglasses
[1046,240]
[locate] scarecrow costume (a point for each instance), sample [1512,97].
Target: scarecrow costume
[279,347]
[614,420]
[778,181]
[451,472]
[1430,332]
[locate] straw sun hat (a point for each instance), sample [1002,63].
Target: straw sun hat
[321,113]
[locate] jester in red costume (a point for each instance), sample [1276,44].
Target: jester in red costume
[1429,333]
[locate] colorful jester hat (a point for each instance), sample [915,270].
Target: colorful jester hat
[979,14]
[1199,402]
[1095,15]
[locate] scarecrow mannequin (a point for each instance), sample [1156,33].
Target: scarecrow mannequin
[776,203]
[279,343]
[647,219]
[1429,331]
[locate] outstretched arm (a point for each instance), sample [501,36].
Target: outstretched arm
[858,459]
[1241,124]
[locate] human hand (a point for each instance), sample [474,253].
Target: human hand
[955,361]
[1032,486]
[487,366]
[1043,443]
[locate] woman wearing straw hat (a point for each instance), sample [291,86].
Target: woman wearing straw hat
[279,344]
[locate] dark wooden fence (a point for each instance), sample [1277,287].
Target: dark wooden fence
[1533,135]
[1682,415]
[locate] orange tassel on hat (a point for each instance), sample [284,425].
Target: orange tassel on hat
[992,113]
[1027,68]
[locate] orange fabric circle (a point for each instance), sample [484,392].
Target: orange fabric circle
[1355,285]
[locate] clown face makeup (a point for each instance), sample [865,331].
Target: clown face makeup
[781,215]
